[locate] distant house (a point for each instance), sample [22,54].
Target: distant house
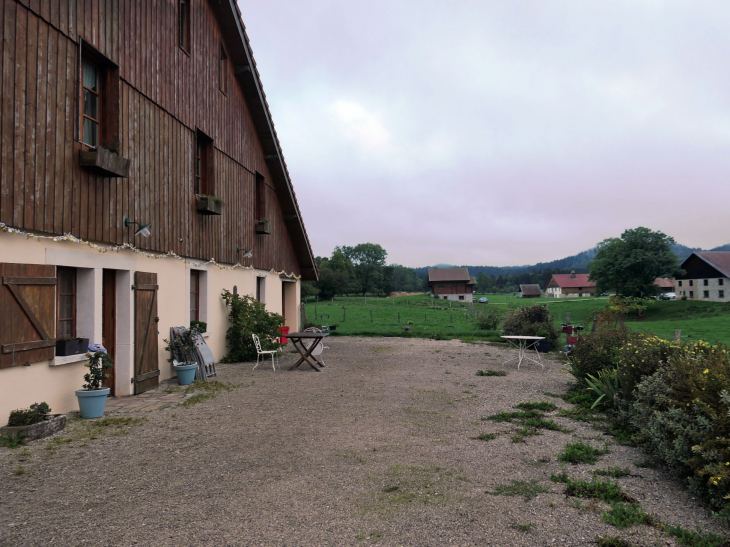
[570,285]
[530,291]
[665,284]
[707,277]
[451,283]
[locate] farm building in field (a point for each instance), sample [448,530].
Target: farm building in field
[707,277]
[530,291]
[665,284]
[451,283]
[140,176]
[569,285]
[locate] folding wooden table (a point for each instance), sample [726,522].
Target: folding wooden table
[298,339]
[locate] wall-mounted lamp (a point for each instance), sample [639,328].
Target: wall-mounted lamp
[142,229]
[246,254]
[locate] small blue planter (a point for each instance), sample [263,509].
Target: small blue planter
[92,403]
[185,374]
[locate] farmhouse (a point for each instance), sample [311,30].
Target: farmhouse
[707,277]
[665,284]
[451,283]
[569,285]
[530,291]
[141,175]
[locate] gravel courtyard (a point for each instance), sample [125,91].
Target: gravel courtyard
[379,448]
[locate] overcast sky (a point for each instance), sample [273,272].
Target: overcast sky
[499,132]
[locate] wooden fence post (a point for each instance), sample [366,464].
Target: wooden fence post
[399,318]
[595,323]
[677,335]
[371,316]
[343,314]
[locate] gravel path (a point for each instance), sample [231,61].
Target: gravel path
[379,448]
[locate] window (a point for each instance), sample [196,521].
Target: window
[66,304]
[706,294]
[461,297]
[721,294]
[223,65]
[720,282]
[691,294]
[91,89]
[203,183]
[194,295]
[680,283]
[260,196]
[441,286]
[706,282]
[261,289]
[691,283]
[184,25]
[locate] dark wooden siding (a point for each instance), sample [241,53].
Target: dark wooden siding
[165,96]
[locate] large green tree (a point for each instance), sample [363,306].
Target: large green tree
[629,265]
[369,259]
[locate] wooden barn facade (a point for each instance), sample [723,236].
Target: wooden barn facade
[451,284]
[120,119]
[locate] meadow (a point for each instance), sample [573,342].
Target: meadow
[441,319]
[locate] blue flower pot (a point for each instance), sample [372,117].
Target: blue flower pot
[185,374]
[92,403]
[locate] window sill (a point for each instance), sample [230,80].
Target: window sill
[68,359]
[104,162]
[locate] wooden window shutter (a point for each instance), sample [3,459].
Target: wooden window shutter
[28,319]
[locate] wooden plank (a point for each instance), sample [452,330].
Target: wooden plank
[100,22]
[28,312]
[23,346]
[126,149]
[46,9]
[72,31]
[51,73]
[70,206]
[60,117]
[63,17]
[55,14]
[40,132]
[30,120]
[21,29]
[28,280]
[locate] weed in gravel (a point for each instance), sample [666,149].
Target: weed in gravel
[19,471]
[612,541]
[615,472]
[526,489]
[380,349]
[539,462]
[623,515]
[523,527]
[23,455]
[580,452]
[486,436]
[581,414]
[695,539]
[213,386]
[447,372]
[647,464]
[603,490]
[542,423]
[510,416]
[491,373]
[11,441]
[372,536]
[544,406]
[85,430]
[403,485]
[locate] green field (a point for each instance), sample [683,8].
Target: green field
[709,321]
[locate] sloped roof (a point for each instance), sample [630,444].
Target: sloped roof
[664,282]
[720,260]
[530,290]
[240,53]
[448,274]
[472,280]
[572,281]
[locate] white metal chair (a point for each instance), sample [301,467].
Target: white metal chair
[317,351]
[260,352]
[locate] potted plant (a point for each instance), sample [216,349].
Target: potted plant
[263,226]
[184,355]
[33,423]
[202,326]
[83,345]
[208,205]
[92,398]
[67,346]
[544,345]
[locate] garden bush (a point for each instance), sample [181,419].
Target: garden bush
[532,320]
[597,351]
[681,414]
[33,415]
[488,320]
[248,316]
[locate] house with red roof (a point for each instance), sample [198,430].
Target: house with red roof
[570,285]
[451,284]
[707,277]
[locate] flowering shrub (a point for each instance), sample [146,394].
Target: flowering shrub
[596,352]
[530,321]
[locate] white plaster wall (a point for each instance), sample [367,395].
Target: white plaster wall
[713,285]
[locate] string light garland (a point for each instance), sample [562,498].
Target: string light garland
[126,246]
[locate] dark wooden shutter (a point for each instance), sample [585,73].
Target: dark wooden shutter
[146,368]
[27,313]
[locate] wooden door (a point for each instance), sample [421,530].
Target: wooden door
[27,313]
[109,323]
[146,369]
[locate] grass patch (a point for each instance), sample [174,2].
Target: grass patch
[410,485]
[647,464]
[527,489]
[603,490]
[615,472]
[543,406]
[491,373]
[694,538]
[85,430]
[12,441]
[486,436]
[511,416]
[623,515]
[19,471]
[206,390]
[523,527]
[581,414]
[580,452]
